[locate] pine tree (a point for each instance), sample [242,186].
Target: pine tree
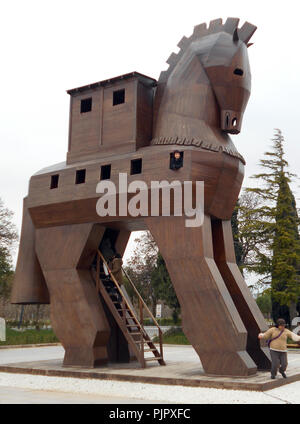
[286,253]
[278,222]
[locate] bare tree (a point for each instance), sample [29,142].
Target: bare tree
[8,237]
[8,232]
[254,237]
[141,266]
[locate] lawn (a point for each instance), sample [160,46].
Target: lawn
[174,336]
[14,337]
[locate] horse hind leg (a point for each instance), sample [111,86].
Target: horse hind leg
[210,319]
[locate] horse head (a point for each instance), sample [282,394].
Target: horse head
[211,75]
[227,67]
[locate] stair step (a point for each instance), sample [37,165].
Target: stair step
[155,358]
[132,325]
[150,350]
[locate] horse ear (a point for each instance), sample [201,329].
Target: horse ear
[235,36]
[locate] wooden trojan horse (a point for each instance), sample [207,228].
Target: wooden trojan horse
[131,124]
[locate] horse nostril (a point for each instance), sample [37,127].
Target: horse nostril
[238,71]
[234,122]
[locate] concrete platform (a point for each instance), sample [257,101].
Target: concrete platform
[183,369]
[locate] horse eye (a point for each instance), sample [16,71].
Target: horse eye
[238,71]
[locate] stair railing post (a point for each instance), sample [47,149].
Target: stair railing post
[160,342]
[142,324]
[98,271]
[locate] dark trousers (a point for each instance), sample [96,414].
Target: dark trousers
[279,360]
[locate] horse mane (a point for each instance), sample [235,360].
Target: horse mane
[230,26]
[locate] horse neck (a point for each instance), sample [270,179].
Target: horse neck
[186,104]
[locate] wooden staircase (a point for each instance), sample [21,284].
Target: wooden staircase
[129,324]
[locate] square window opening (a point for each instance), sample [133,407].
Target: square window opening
[54,181]
[105,172]
[86,105]
[80,176]
[176,160]
[118,97]
[136,166]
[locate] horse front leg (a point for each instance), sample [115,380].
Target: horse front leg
[29,286]
[210,319]
[77,315]
[244,302]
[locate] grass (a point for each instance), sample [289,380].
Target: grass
[174,336]
[161,321]
[14,337]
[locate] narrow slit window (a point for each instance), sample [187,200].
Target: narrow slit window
[80,176]
[54,181]
[105,172]
[86,105]
[136,166]
[118,97]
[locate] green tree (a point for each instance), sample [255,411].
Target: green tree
[6,274]
[164,287]
[277,222]
[264,303]
[286,253]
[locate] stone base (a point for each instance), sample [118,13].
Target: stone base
[174,373]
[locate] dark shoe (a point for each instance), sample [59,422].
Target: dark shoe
[283,374]
[273,377]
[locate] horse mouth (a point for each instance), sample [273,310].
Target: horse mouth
[231,122]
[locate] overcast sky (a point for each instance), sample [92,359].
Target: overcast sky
[48,47]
